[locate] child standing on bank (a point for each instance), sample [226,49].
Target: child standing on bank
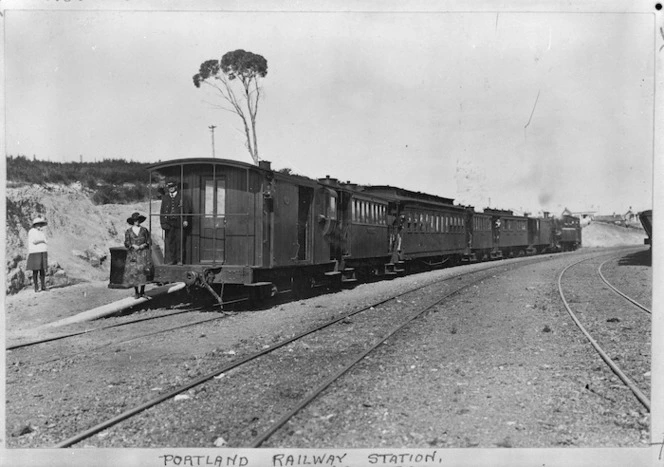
[37,253]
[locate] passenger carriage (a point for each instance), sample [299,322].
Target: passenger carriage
[429,230]
[479,236]
[510,233]
[250,227]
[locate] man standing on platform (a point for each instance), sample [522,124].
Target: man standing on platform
[174,217]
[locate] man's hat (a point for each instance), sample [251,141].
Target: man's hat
[171,183]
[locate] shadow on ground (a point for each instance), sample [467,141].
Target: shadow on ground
[640,258]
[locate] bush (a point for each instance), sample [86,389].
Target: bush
[109,194]
[111,174]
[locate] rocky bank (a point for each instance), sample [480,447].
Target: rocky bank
[79,233]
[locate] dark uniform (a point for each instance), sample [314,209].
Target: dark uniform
[174,217]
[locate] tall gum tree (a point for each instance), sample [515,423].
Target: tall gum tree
[242,67]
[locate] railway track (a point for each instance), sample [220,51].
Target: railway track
[187,396]
[618,291]
[620,333]
[336,345]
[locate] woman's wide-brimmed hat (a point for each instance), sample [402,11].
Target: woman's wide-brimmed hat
[39,221]
[136,217]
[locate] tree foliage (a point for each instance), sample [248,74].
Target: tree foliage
[245,68]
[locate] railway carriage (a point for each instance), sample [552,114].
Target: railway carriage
[250,227]
[428,230]
[479,235]
[364,233]
[510,233]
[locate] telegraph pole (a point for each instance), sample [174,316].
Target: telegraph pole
[212,127]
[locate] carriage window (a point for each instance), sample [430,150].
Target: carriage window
[332,207]
[215,206]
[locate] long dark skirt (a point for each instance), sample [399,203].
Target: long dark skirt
[37,261]
[138,267]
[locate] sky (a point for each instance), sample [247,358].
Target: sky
[511,109]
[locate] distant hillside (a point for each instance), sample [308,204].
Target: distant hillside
[110,181]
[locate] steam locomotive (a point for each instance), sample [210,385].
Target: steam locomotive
[264,232]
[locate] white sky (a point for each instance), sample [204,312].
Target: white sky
[429,101]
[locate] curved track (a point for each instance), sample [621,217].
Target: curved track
[615,289]
[643,399]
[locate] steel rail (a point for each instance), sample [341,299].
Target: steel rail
[256,442]
[101,328]
[626,297]
[133,338]
[637,392]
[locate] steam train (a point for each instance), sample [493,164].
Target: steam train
[264,232]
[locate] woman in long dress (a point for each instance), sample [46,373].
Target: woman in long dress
[37,253]
[139,258]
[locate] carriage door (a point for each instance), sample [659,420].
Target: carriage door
[213,221]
